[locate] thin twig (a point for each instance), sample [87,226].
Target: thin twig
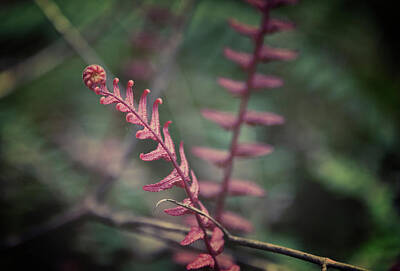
[194,209]
[68,31]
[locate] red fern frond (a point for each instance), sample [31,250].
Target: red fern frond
[249,150]
[184,257]
[240,58]
[217,241]
[225,119]
[194,187]
[211,189]
[268,54]
[262,118]
[236,222]
[179,211]
[95,78]
[215,156]
[233,86]
[228,121]
[261,81]
[154,124]
[244,29]
[194,234]
[201,261]
[276,25]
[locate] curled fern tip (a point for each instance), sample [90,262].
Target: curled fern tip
[94,76]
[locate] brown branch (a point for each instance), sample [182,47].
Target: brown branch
[91,209]
[68,31]
[241,256]
[322,261]
[129,222]
[293,253]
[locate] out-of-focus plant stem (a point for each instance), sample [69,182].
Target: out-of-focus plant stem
[259,40]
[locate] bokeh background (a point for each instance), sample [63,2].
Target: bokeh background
[333,182]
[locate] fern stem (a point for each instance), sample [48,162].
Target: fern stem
[259,40]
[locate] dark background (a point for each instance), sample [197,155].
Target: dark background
[333,182]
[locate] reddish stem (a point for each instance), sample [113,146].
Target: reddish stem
[259,41]
[185,179]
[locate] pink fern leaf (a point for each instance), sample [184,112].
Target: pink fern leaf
[217,241]
[168,182]
[236,223]
[240,58]
[276,25]
[209,189]
[263,118]
[224,119]
[128,100]
[236,188]
[269,54]
[194,234]
[217,157]
[130,117]
[244,29]
[247,150]
[179,211]
[201,261]
[154,124]
[206,221]
[173,178]
[110,99]
[261,81]
[228,121]
[184,163]
[194,187]
[245,188]
[184,257]
[142,108]
[129,94]
[234,87]
[170,144]
[158,153]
